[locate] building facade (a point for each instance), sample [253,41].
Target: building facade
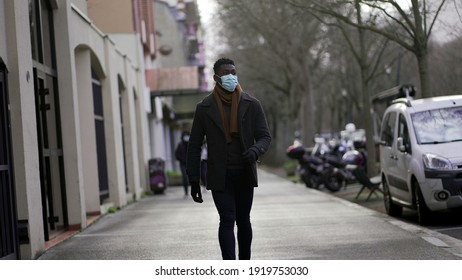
[172,56]
[177,82]
[80,111]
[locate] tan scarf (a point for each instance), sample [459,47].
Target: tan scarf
[221,97]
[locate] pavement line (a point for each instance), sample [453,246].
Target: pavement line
[435,241]
[406,226]
[447,229]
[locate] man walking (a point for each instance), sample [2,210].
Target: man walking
[237,135]
[181,155]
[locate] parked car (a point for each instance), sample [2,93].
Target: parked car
[421,155]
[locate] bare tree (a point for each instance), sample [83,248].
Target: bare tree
[367,52]
[446,72]
[299,68]
[411,27]
[276,55]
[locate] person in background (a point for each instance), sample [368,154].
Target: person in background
[237,134]
[181,154]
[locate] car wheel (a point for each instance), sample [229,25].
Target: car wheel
[423,213]
[392,209]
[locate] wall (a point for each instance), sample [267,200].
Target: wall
[112,16]
[2,31]
[81,45]
[23,124]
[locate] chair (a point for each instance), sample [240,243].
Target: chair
[372,184]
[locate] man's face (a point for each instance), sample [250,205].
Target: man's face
[224,69]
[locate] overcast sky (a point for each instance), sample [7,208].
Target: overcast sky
[449,25]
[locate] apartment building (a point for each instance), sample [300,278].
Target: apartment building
[172,56]
[78,119]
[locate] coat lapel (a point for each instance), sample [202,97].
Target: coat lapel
[243,106]
[212,112]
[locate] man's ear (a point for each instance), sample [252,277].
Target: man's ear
[217,79]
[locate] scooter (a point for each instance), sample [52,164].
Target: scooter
[314,168]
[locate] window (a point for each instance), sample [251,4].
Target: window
[438,126]
[388,129]
[403,132]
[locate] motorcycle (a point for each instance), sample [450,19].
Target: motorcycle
[314,169]
[347,168]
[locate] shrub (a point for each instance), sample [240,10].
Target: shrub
[290,167]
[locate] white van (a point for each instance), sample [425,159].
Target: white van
[421,155]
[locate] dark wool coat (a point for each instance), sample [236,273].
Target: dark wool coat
[253,131]
[181,152]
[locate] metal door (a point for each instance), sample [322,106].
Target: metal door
[51,161]
[403,159]
[8,224]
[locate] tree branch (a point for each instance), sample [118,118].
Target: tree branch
[436,16]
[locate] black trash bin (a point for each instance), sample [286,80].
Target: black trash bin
[157,176]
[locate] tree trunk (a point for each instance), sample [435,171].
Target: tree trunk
[369,127]
[307,115]
[420,45]
[370,143]
[425,84]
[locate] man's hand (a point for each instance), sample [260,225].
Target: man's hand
[196,192]
[250,156]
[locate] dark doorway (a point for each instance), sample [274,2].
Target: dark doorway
[51,161]
[100,138]
[8,224]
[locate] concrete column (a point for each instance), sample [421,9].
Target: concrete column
[69,105]
[2,31]
[157,131]
[23,125]
[142,109]
[129,120]
[157,138]
[87,130]
[144,152]
[169,158]
[113,131]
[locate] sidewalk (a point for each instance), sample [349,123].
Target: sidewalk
[348,193]
[289,222]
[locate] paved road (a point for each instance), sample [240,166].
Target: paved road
[289,222]
[449,223]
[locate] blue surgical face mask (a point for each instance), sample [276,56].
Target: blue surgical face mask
[229,82]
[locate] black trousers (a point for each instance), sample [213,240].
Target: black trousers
[234,205]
